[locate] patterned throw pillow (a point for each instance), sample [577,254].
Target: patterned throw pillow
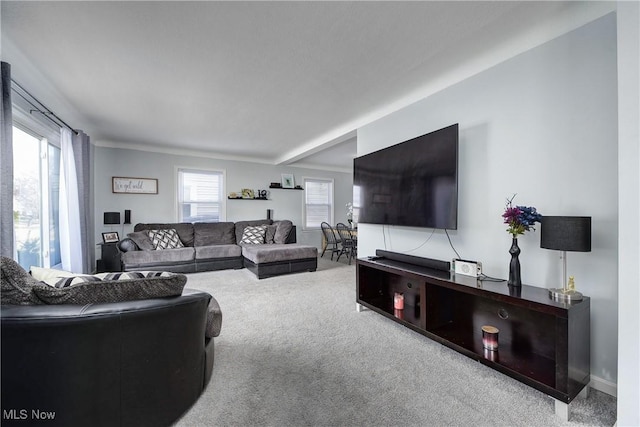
[77,279]
[254,235]
[165,239]
[49,275]
[111,287]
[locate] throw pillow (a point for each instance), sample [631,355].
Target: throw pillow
[165,239]
[282,232]
[141,238]
[254,234]
[240,225]
[270,234]
[112,287]
[16,284]
[50,276]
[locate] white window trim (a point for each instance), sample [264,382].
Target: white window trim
[176,183]
[304,201]
[37,128]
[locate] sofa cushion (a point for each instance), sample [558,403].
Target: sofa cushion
[270,234]
[214,233]
[218,251]
[253,235]
[240,225]
[155,257]
[141,238]
[282,231]
[259,254]
[146,285]
[16,286]
[184,229]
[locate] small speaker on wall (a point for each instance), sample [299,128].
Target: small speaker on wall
[112,218]
[269,213]
[127,216]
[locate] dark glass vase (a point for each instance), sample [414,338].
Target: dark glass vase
[514,265]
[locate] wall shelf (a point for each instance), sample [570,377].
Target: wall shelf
[281,188]
[247,198]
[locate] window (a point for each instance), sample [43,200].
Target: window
[200,195]
[318,202]
[356,204]
[36,188]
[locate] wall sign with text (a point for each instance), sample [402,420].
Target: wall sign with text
[134,185]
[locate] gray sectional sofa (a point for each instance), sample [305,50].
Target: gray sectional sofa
[217,246]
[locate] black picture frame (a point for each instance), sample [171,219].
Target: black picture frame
[110,237]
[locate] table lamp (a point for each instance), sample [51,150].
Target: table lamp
[566,233]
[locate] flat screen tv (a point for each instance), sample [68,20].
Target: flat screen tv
[413,183]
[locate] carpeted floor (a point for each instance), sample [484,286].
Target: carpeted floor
[294,352]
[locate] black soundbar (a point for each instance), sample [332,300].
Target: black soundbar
[435,264]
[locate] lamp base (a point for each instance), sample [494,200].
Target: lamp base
[560,294]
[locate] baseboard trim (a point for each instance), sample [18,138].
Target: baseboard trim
[604,386]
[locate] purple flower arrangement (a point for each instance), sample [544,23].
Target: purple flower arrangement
[520,218]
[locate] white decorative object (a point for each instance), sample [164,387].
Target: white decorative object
[287,180]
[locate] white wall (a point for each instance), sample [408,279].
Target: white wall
[286,204]
[629,212]
[543,125]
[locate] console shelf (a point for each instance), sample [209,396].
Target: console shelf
[542,343]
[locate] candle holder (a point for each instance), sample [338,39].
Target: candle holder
[490,337]
[398,301]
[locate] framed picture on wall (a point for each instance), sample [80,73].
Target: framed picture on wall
[287,180]
[127,185]
[110,237]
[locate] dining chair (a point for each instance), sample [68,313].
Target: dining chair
[331,238]
[349,243]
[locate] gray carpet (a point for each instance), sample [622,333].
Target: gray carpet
[294,352]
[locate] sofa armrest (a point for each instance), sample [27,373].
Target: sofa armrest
[126,245]
[214,319]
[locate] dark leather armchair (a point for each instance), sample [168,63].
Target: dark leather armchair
[136,363]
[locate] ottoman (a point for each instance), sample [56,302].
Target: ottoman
[275,259]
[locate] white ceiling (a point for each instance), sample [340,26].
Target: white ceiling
[274,82]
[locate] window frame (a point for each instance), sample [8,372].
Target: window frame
[191,169]
[48,136]
[331,181]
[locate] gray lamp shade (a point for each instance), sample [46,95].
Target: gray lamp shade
[112,217]
[566,233]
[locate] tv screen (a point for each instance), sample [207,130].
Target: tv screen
[413,183]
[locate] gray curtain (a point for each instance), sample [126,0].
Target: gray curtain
[81,152]
[6,165]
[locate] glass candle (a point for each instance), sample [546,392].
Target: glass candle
[490,337]
[398,301]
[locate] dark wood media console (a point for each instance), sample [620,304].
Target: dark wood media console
[542,343]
